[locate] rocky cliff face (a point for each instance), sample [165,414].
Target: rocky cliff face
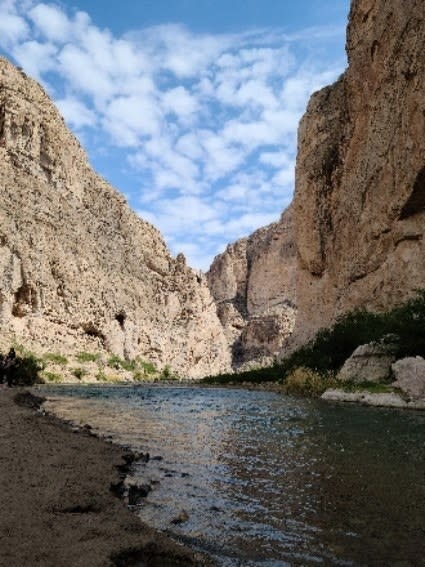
[358,214]
[359,207]
[253,283]
[78,269]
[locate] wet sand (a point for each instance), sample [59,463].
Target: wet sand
[57,507]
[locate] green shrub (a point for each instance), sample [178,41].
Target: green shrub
[331,347]
[25,371]
[407,322]
[147,367]
[56,358]
[166,372]
[101,376]
[79,372]
[117,362]
[372,387]
[52,377]
[87,357]
[20,349]
[404,326]
[307,382]
[139,376]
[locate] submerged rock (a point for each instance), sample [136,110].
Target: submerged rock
[136,491]
[181,518]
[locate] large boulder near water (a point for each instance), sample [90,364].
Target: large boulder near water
[368,363]
[409,376]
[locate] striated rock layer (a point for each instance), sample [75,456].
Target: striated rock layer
[359,206]
[253,283]
[79,269]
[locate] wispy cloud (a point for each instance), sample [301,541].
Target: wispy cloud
[208,122]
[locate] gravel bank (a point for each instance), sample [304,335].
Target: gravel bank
[57,507]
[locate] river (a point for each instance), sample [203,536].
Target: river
[259,478]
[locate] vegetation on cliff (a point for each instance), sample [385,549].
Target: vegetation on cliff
[27,368]
[312,368]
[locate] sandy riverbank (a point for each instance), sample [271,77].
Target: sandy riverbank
[57,507]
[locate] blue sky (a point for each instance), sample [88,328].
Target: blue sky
[188,107]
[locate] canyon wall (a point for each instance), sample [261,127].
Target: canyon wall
[253,284]
[359,206]
[358,215]
[79,269]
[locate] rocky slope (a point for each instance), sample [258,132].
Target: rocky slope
[253,283]
[78,269]
[359,206]
[358,214]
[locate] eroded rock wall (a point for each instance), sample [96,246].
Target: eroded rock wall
[253,283]
[79,269]
[359,206]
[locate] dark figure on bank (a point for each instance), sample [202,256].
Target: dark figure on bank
[9,363]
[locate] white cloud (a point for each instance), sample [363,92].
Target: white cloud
[35,57]
[51,22]
[13,27]
[180,102]
[207,122]
[80,69]
[76,113]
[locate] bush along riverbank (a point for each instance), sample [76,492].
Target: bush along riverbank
[378,354]
[22,367]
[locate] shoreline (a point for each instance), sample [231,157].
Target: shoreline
[60,504]
[383,400]
[332,395]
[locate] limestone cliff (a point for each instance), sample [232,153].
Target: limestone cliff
[79,269]
[358,214]
[359,206]
[253,283]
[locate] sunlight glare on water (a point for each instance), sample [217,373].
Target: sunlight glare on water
[258,478]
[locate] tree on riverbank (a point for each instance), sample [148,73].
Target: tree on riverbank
[21,370]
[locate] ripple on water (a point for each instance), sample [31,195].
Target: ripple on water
[266,479]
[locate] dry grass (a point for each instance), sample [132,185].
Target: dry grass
[306,382]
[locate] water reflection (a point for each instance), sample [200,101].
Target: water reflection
[270,480]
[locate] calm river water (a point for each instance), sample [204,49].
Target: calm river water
[258,478]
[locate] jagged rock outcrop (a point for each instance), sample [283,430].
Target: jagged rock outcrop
[253,283]
[79,269]
[359,206]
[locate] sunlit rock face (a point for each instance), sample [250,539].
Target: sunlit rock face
[359,207]
[253,283]
[80,270]
[358,216]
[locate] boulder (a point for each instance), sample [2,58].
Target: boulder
[409,376]
[368,363]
